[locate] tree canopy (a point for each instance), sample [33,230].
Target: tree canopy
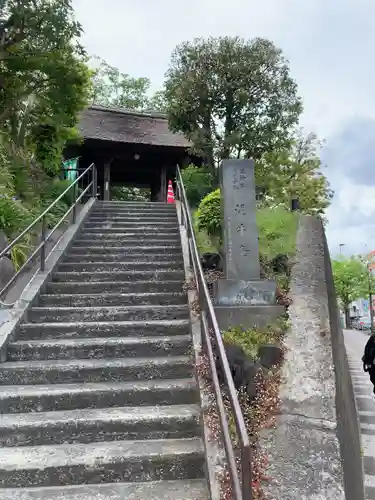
[352,281]
[232,97]
[44,80]
[294,172]
[111,87]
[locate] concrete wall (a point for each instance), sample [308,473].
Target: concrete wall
[346,408]
[303,449]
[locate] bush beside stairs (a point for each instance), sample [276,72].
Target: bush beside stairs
[98,394]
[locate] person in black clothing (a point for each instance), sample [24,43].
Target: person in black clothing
[368,359]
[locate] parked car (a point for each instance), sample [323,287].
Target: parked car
[364,324]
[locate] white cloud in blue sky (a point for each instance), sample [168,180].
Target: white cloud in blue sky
[330,46]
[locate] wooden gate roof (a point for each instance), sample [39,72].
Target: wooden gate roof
[123,126]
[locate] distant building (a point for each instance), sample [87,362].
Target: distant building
[360,308]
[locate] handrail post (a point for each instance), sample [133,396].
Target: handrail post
[43,249]
[246,472]
[94,182]
[75,203]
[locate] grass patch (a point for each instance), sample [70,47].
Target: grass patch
[250,339]
[277,232]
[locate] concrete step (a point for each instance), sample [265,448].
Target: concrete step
[169,219]
[122,256]
[78,287]
[128,250]
[105,276]
[112,299]
[94,370]
[136,207]
[56,465]
[114,313]
[140,211]
[132,223]
[99,348]
[98,425]
[132,235]
[142,214]
[135,230]
[105,266]
[45,331]
[56,397]
[90,243]
[188,489]
[137,204]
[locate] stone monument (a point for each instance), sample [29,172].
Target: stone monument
[241,297]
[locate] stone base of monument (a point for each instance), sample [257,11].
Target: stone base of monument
[235,292]
[247,316]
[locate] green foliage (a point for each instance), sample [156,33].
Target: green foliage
[352,279]
[56,188]
[208,215]
[158,102]
[123,193]
[294,172]
[205,243]
[248,338]
[113,88]
[42,63]
[277,231]
[13,215]
[277,227]
[198,183]
[44,84]
[231,97]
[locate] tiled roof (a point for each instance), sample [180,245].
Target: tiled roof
[120,125]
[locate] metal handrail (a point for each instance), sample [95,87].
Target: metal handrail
[41,248]
[241,483]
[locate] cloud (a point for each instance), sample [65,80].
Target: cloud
[350,152]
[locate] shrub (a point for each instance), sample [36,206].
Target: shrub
[198,183]
[56,188]
[249,339]
[14,217]
[208,216]
[124,193]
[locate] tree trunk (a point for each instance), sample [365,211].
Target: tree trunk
[347,317]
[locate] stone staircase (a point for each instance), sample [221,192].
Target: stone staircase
[98,396]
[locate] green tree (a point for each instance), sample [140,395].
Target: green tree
[197,182]
[44,84]
[158,102]
[231,97]
[113,88]
[294,172]
[44,81]
[352,281]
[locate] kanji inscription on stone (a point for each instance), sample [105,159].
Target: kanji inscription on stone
[240,228]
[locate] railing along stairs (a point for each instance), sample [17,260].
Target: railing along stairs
[213,347]
[88,176]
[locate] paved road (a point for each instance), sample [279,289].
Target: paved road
[355,342]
